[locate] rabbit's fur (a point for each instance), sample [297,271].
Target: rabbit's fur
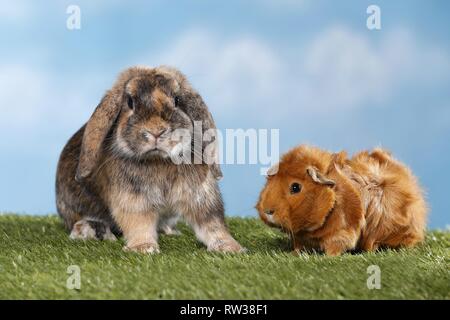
[340,204]
[115,175]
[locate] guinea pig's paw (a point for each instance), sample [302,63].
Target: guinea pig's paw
[226,245]
[146,248]
[333,251]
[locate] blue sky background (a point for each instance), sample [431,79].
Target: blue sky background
[310,68]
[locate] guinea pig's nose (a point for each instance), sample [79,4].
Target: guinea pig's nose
[269,212]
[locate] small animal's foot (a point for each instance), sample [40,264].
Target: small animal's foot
[87,229]
[226,245]
[146,248]
[170,231]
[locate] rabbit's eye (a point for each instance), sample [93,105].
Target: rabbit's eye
[295,188]
[130,102]
[177,101]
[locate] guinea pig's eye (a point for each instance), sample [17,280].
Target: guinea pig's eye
[130,102]
[295,188]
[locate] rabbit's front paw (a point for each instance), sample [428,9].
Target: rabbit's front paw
[86,229]
[226,245]
[150,248]
[170,231]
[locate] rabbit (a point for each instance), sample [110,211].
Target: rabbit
[330,203]
[116,175]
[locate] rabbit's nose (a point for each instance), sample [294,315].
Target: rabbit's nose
[156,133]
[269,212]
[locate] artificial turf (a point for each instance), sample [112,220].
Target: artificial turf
[35,254]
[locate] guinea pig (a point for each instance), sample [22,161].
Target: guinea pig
[328,202]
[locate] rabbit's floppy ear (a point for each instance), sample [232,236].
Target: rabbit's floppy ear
[319,177]
[190,101]
[95,132]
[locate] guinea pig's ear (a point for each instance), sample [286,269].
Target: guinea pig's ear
[273,170]
[95,132]
[190,102]
[319,177]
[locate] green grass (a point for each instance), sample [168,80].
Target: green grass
[35,253]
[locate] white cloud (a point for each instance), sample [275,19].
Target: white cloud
[22,93]
[344,70]
[242,78]
[38,111]
[339,70]
[409,59]
[31,97]
[231,74]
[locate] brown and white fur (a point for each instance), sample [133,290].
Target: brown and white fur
[116,175]
[328,202]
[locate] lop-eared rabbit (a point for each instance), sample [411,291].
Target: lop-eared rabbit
[117,175]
